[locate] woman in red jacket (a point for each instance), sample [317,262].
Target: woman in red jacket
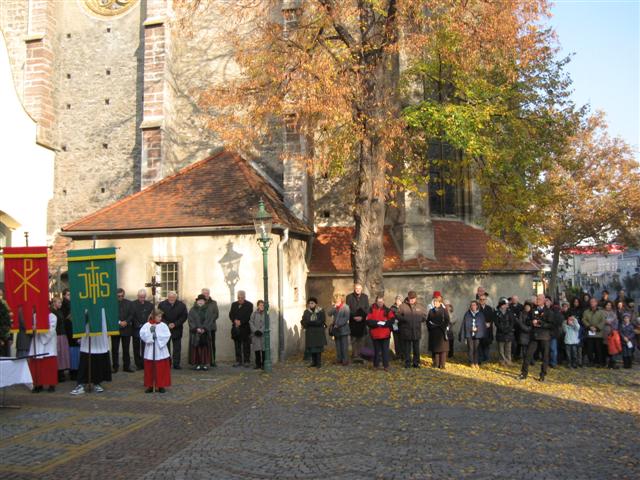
[380,323]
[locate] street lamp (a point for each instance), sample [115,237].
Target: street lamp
[263,223]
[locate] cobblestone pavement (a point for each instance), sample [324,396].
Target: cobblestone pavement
[332,423]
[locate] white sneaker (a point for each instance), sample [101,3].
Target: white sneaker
[98,389]
[79,390]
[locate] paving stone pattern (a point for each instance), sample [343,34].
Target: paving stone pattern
[332,423]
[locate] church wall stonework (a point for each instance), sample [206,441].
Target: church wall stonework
[459,289]
[98,85]
[14,24]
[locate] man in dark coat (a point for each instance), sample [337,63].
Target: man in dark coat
[141,309]
[212,316]
[484,350]
[541,324]
[411,315]
[175,315]
[124,337]
[358,304]
[240,314]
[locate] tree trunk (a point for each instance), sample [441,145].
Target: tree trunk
[553,281]
[369,212]
[380,89]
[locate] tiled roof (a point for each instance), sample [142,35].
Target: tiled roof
[220,191]
[458,247]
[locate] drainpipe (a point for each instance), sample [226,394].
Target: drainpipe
[281,326]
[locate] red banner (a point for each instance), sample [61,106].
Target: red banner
[26,279]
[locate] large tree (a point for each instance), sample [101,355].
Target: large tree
[594,193]
[334,70]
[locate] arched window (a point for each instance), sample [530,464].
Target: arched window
[449,190]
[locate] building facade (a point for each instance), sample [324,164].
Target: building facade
[113,89]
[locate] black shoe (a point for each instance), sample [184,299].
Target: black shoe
[416,366]
[149,390]
[311,365]
[213,365]
[161,390]
[522,376]
[128,370]
[406,365]
[51,388]
[258,367]
[236,365]
[541,379]
[114,370]
[36,389]
[205,368]
[177,367]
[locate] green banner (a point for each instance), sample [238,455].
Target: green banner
[93,284]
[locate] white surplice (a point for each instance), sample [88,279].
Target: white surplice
[45,342]
[163,335]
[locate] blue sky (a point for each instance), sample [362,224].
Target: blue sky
[604,35]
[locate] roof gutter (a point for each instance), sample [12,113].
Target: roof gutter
[168,230]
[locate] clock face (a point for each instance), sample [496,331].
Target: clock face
[109,8]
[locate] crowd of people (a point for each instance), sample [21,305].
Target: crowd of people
[153,333]
[584,331]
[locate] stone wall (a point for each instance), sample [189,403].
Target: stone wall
[198,59]
[14,24]
[459,289]
[98,93]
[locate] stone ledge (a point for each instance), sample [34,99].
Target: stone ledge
[36,37]
[151,122]
[154,21]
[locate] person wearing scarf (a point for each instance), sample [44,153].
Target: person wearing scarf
[313,323]
[380,321]
[157,364]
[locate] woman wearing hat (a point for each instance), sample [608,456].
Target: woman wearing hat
[438,326]
[314,324]
[200,327]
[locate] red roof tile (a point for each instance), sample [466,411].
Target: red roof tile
[458,247]
[219,191]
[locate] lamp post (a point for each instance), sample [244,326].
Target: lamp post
[263,223]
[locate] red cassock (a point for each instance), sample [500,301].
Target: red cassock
[163,373]
[44,371]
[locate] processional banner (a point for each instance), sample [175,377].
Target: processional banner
[93,284]
[26,277]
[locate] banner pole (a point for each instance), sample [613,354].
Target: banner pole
[35,348]
[154,360]
[86,324]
